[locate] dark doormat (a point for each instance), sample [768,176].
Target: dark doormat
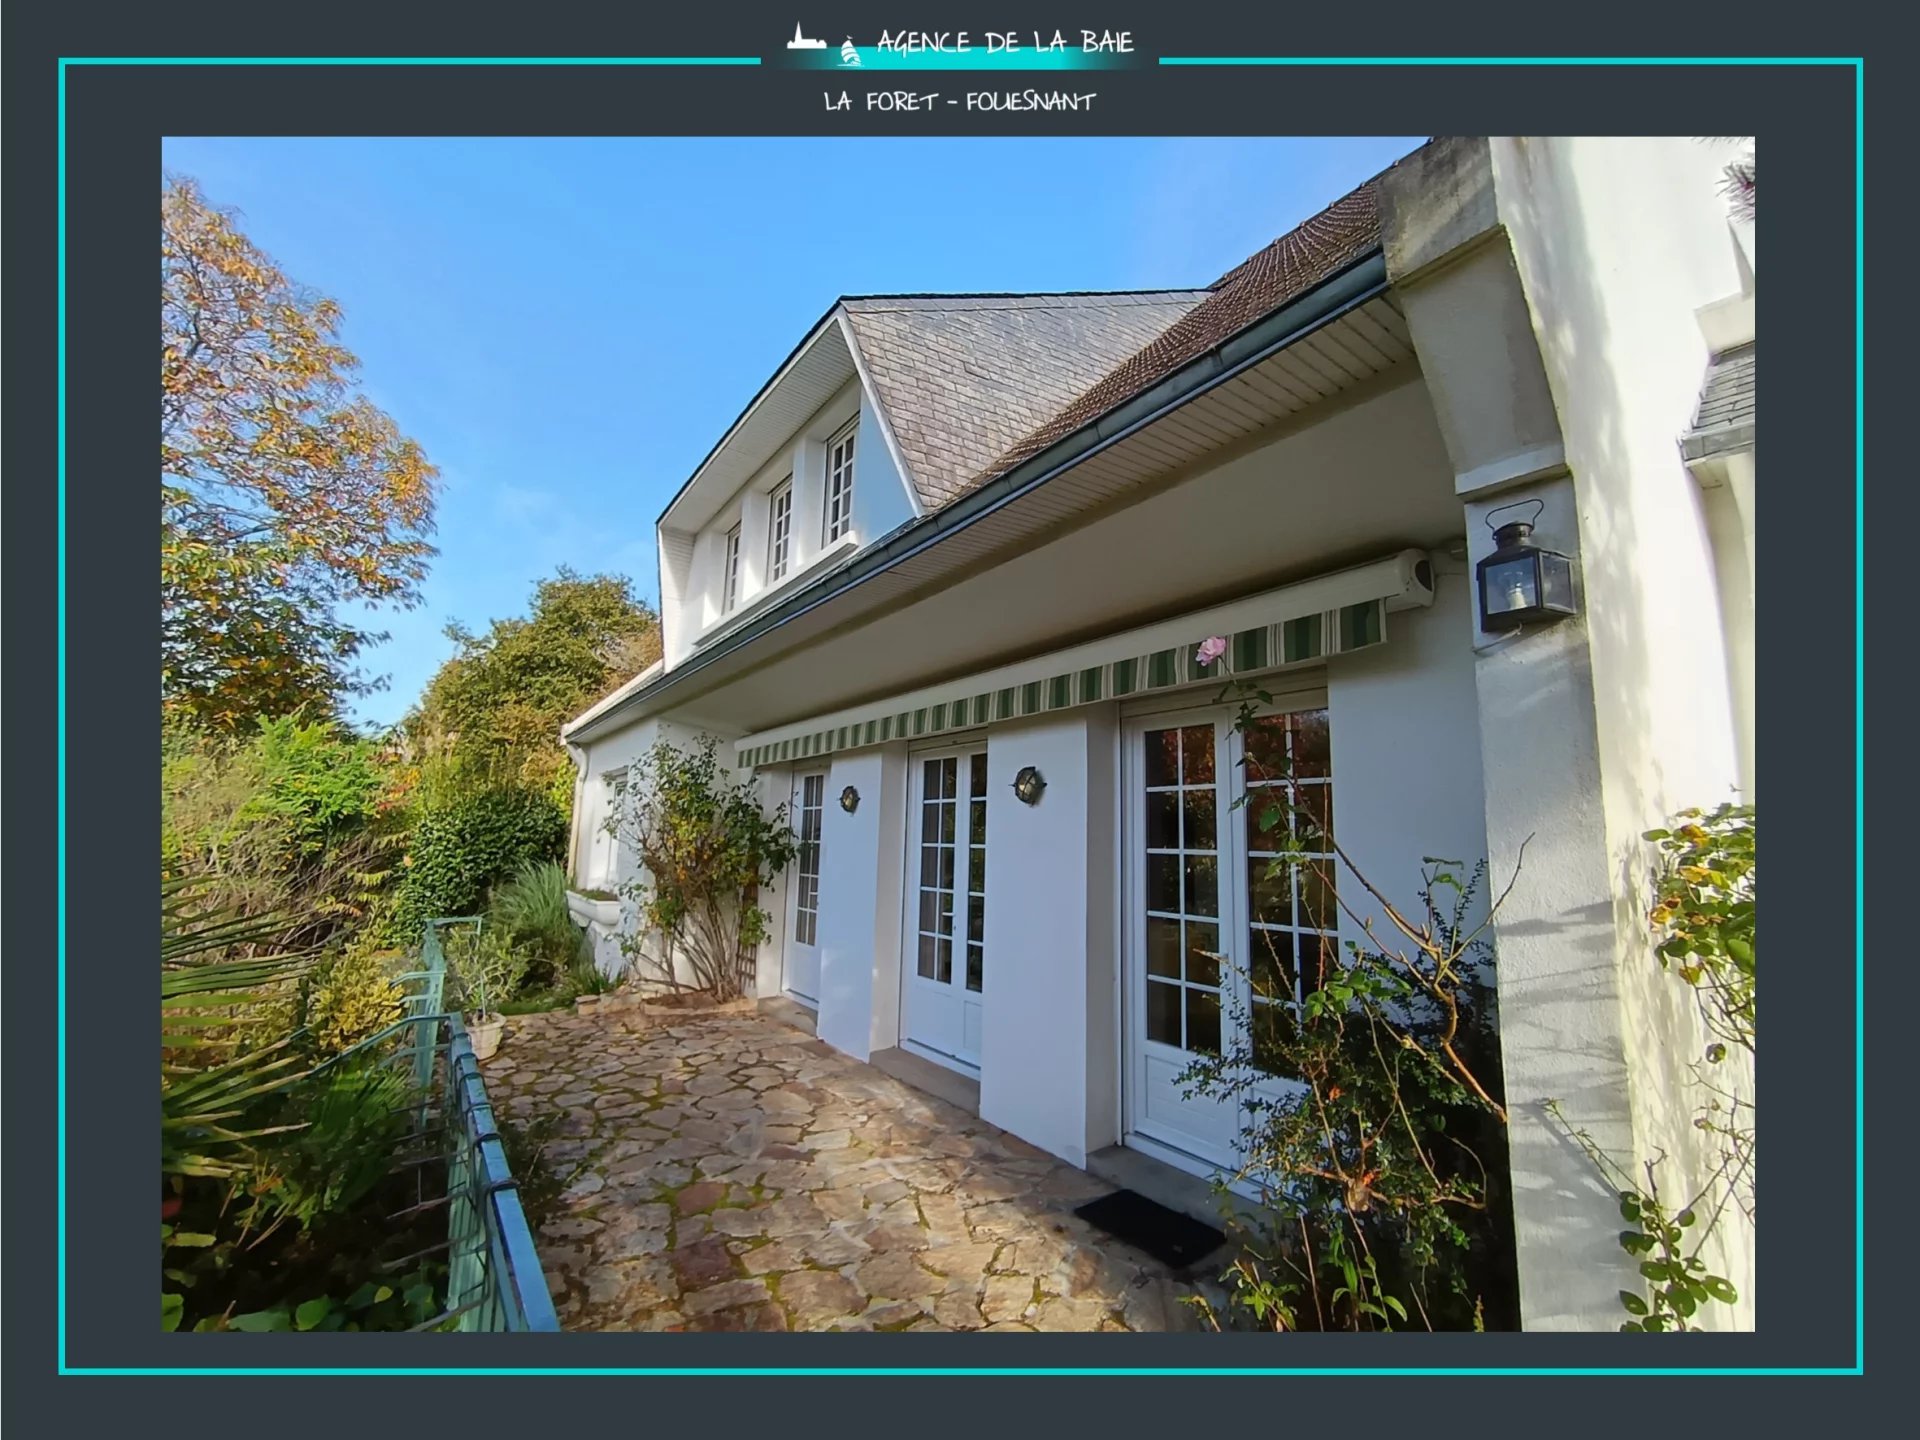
[1175,1240]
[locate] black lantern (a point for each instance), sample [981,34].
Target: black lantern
[849,799]
[1520,583]
[1028,784]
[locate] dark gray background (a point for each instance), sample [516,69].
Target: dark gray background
[115,117]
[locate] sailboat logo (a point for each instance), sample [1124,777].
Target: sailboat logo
[801,42]
[848,54]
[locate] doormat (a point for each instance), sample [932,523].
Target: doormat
[1175,1240]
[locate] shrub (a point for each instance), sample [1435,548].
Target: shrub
[485,966]
[706,848]
[293,819]
[531,908]
[348,1125]
[1370,1090]
[354,997]
[464,843]
[1704,904]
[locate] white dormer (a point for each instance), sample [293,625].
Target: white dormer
[893,406]
[803,479]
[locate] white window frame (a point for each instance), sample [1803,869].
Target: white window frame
[837,506]
[806,896]
[780,531]
[606,839]
[730,577]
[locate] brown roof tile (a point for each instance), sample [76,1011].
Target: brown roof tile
[1304,257]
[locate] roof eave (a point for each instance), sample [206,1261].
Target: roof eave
[1360,281]
[799,352]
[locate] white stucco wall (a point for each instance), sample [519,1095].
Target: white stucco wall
[1624,358]
[693,591]
[1049,1063]
[862,857]
[1403,723]
[775,786]
[598,865]
[880,500]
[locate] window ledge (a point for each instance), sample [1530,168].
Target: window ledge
[587,910]
[763,599]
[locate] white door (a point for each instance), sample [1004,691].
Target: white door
[1215,932]
[802,970]
[943,964]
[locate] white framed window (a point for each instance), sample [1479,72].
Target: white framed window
[780,532]
[840,483]
[605,865]
[731,594]
[806,825]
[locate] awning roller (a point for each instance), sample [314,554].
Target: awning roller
[1295,625]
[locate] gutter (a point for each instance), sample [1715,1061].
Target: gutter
[1360,282]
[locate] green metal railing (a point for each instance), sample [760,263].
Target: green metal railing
[494,1279]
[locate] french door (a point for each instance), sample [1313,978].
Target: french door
[943,961]
[1216,932]
[802,973]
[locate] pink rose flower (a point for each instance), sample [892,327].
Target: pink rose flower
[1211,649]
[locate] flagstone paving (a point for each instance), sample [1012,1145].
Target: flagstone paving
[729,1172]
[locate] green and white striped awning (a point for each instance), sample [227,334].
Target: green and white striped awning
[1290,626]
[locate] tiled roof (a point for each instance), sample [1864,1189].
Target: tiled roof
[1724,421]
[964,377]
[1313,252]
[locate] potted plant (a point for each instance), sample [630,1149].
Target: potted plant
[486,968]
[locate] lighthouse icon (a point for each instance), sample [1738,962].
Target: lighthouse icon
[848,54]
[801,42]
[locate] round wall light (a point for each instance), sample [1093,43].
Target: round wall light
[1028,784]
[849,799]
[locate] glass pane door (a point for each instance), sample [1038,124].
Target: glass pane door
[1292,915]
[945,934]
[1230,908]
[803,929]
[1180,923]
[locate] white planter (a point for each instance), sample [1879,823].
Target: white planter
[588,911]
[485,1035]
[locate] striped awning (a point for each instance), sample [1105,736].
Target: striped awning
[1290,626]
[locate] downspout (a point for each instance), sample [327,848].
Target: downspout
[578,754]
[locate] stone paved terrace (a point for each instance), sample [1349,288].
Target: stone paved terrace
[730,1172]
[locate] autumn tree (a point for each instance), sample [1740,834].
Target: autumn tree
[493,712]
[284,494]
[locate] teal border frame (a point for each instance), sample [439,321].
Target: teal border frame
[1859,753]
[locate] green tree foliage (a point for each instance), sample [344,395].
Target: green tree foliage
[297,819]
[492,714]
[464,843]
[283,493]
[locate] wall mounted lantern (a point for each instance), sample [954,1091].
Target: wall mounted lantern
[1028,784]
[1520,583]
[849,799]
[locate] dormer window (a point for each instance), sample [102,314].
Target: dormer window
[731,593]
[839,506]
[780,532]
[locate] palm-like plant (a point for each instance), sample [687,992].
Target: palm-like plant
[219,1053]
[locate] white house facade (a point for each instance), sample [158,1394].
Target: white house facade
[940,587]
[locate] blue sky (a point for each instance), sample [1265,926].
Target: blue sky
[567,326]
